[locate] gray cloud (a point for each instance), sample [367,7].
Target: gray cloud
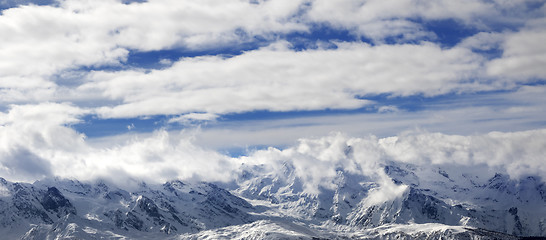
[22,165]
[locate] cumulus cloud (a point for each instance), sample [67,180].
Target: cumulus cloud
[45,48]
[284,80]
[31,136]
[316,161]
[39,145]
[519,153]
[41,41]
[37,141]
[524,55]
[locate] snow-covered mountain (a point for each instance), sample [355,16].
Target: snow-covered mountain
[418,196]
[343,190]
[442,203]
[64,208]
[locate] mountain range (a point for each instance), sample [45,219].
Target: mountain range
[398,201]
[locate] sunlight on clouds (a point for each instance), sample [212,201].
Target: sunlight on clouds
[34,139]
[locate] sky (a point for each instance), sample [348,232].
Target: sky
[112,87]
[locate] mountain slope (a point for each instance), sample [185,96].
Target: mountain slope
[61,207]
[443,194]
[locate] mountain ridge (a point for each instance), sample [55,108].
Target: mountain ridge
[280,205]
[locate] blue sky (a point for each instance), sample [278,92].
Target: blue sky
[241,75]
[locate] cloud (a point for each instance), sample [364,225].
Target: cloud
[316,162]
[45,80]
[19,164]
[161,157]
[31,151]
[41,126]
[483,41]
[466,114]
[190,118]
[37,141]
[524,54]
[379,20]
[47,49]
[32,136]
[519,153]
[283,80]
[39,42]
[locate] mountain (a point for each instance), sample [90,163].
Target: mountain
[393,201]
[477,198]
[68,208]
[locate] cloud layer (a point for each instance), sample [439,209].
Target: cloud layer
[283,80]
[65,60]
[37,146]
[47,51]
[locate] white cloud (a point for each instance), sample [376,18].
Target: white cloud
[36,141]
[41,41]
[31,136]
[519,153]
[284,80]
[39,145]
[524,55]
[316,161]
[483,41]
[43,48]
[378,19]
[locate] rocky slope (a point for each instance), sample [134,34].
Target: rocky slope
[63,208]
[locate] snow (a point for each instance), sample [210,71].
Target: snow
[397,199]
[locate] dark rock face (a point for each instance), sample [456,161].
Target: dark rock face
[54,201]
[430,208]
[133,221]
[148,206]
[24,201]
[414,206]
